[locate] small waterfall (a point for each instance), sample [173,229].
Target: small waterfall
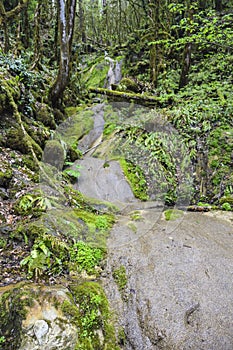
[114,73]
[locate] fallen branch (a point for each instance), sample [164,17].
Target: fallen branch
[120,95]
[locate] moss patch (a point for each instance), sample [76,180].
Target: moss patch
[92,317]
[120,277]
[95,76]
[75,127]
[5,174]
[136,178]
[13,310]
[173,214]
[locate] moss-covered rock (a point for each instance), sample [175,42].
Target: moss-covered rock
[128,84]
[95,75]
[17,140]
[54,154]
[32,318]
[92,317]
[79,123]
[5,174]
[44,114]
[136,178]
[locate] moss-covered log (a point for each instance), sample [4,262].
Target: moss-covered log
[119,95]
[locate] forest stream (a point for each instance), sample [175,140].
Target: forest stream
[169,282]
[116,175]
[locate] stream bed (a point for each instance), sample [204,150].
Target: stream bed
[178,292]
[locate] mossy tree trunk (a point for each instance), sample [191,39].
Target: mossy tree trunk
[7,16]
[81,22]
[186,60]
[154,49]
[66,17]
[37,36]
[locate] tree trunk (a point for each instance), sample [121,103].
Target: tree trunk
[66,10]
[218,5]
[25,27]
[37,36]
[145,100]
[81,22]
[186,60]
[154,49]
[185,65]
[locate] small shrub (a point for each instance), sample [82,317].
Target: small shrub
[226,207]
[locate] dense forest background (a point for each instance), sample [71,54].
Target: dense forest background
[178,51]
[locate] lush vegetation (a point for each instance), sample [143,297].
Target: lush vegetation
[175,59]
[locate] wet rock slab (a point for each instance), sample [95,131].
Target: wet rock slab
[179,293]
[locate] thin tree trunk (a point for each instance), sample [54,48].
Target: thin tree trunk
[37,37]
[186,60]
[218,5]
[154,49]
[26,27]
[81,22]
[66,12]
[185,65]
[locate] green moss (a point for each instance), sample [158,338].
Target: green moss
[136,216]
[109,128]
[30,163]
[91,315]
[120,277]
[96,75]
[136,178]
[13,310]
[45,115]
[18,141]
[5,174]
[75,127]
[86,258]
[98,226]
[128,84]
[226,199]
[173,214]
[77,199]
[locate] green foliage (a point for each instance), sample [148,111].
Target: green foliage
[31,204]
[109,128]
[2,341]
[86,257]
[72,173]
[226,206]
[136,178]
[49,256]
[52,256]
[20,76]
[91,317]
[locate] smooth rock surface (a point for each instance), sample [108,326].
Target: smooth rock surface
[179,292]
